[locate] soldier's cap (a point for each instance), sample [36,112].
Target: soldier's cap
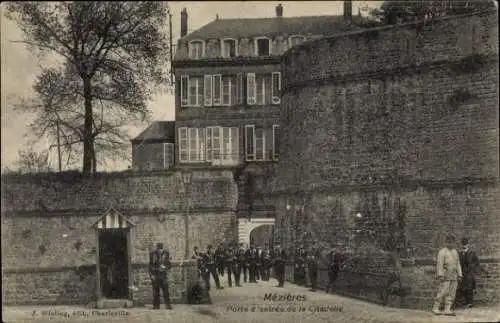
[209,246]
[465,241]
[159,245]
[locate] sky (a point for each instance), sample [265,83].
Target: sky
[19,67]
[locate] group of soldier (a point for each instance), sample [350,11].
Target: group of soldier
[310,261]
[253,263]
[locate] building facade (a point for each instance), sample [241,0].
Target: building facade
[228,95]
[153,149]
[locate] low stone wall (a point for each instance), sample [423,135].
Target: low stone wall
[418,281]
[77,286]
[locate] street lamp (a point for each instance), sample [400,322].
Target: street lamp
[186,181]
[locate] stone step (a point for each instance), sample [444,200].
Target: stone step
[114,303]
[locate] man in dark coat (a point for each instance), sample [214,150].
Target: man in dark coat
[159,264]
[242,262]
[334,264]
[279,258]
[266,263]
[220,258]
[252,259]
[313,257]
[231,264]
[469,262]
[300,266]
[210,263]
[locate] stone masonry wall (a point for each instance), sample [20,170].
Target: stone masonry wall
[390,139]
[48,238]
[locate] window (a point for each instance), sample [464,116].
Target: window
[184,90]
[183,144]
[250,142]
[168,155]
[228,48]
[260,143]
[208,90]
[260,93]
[276,87]
[251,88]
[276,142]
[196,49]
[262,47]
[195,91]
[226,90]
[295,40]
[217,85]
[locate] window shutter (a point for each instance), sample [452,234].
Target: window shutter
[276,80]
[250,142]
[183,144]
[251,87]
[168,155]
[208,144]
[184,90]
[239,89]
[276,142]
[217,89]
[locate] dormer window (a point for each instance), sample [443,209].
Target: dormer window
[263,46]
[295,40]
[229,48]
[196,49]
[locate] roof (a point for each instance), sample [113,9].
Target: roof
[247,28]
[158,131]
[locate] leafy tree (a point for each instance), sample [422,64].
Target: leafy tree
[393,11]
[111,52]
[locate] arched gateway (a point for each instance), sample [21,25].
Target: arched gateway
[245,227]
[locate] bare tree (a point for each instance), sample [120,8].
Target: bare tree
[115,50]
[31,161]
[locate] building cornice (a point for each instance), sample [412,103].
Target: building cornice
[233,61]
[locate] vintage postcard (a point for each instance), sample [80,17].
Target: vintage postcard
[250,161]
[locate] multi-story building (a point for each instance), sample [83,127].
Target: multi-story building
[228,82]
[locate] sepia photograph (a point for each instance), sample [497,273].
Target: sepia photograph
[250,161]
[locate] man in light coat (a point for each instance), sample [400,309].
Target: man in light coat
[449,273]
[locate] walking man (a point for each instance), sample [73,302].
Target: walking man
[211,268]
[470,265]
[312,267]
[159,264]
[449,272]
[279,258]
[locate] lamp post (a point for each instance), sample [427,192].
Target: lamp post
[186,181]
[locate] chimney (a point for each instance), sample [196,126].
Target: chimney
[184,22]
[279,10]
[347,10]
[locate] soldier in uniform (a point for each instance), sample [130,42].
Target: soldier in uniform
[469,262]
[242,263]
[210,264]
[300,266]
[279,258]
[231,264]
[312,267]
[252,259]
[220,259]
[266,263]
[159,264]
[334,263]
[258,269]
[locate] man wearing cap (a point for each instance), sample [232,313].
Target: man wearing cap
[312,267]
[241,259]
[334,264]
[470,265]
[210,264]
[252,258]
[449,273]
[300,266]
[159,264]
[266,263]
[279,258]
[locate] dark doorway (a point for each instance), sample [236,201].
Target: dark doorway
[113,260]
[262,235]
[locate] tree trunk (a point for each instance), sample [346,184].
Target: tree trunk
[94,157]
[88,140]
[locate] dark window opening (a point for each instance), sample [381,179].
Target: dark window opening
[263,47]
